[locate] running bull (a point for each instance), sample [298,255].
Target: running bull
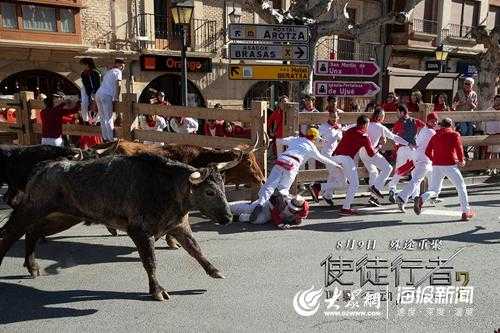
[144,195]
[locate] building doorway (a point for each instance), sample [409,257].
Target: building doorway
[38,81]
[268,91]
[170,84]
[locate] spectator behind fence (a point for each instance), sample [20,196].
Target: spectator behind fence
[308,107]
[466,100]
[332,105]
[493,127]
[370,107]
[108,93]
[355,108]
[441,103]
[275,122]
[56,107]
[216,127]
[391,103]
[91,82]
[413,104]
[183,125]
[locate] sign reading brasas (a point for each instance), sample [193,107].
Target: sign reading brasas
[174,64]
[269,52]
[269,32]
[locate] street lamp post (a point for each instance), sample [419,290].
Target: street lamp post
[441,56]
[182,12]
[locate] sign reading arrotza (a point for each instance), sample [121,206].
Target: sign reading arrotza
[269,72]
[269,32]
[269,52]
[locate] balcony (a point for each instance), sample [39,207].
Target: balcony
[346,49]
[158,33]
[424,30]
[459,35]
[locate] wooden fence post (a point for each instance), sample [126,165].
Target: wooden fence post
[23,118]
[259,128]
[128,116]
[291,128]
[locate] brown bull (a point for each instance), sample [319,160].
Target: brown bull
[247,172]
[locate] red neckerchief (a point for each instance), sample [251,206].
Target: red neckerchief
[334,125]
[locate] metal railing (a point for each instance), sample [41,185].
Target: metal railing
[425,26]
[159,33]
[458,30]
[346,49]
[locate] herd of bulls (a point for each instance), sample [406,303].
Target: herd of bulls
[146,191]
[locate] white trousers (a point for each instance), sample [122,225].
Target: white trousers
[454,175]
[404,154]
[53,141]
[336,181]
[412,188]
[243,209]
[279,179]
[105,108]
[349,172]
[373,165]
[85,105]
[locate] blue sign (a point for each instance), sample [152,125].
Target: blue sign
[466,69]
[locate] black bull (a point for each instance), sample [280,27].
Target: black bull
[144,195]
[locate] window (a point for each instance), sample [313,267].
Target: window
[9,15]
[39,18]
[67,20]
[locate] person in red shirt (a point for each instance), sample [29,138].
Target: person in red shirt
[52,118]
[275,121]
[391,103]
[407,128]
[352,141]
[446,152]
[441,104]
[415,100]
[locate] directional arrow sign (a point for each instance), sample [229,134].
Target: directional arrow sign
[269,52]
[352,68]
[346,88]
[269,72]
[270,33]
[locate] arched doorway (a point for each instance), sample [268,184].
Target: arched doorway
[268,91]
[170,84]
[38,81]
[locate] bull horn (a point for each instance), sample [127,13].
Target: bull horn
[103,150]
[78,154]
[255,145]
[231,164]
[196,178]
[267,140]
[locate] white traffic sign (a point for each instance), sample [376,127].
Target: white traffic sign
[269,32]
[269,52]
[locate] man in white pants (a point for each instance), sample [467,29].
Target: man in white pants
[446,152]
[331,134]
[423,165]
[352,141]
[407,128]
[108,93]
[376,131]
[288,163]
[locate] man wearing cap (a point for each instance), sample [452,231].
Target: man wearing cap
[423,165]
[407,128]
[108,93]
[288,163]
[52,118]
[332,105]
[447,155]
[377,131]
[352,141]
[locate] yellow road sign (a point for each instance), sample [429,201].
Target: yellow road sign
[269,72]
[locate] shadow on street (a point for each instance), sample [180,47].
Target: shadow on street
[22,303]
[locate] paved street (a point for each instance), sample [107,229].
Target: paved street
[94,282]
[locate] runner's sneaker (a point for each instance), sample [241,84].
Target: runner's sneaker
[256,211]
[375,191]
[347,212]
[467,215]
[401,204]
[329,202]
[374,202]
[392,196]
[417,205]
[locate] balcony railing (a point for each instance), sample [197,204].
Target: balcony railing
[158,33]
[425,26]
[346,49]
[458,31]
